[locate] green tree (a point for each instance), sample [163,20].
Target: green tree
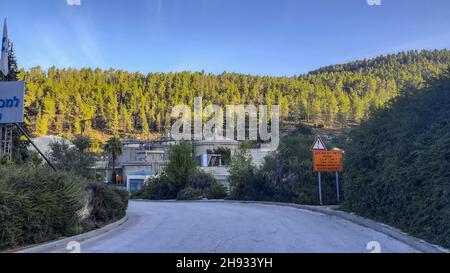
[73,158]
[82,143]
[114,148]
[181,165]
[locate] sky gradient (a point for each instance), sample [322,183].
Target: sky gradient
[262,37]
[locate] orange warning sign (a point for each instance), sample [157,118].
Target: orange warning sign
[328,161]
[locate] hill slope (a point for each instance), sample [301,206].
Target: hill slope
[64,101]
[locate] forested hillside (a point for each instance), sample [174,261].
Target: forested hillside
[64,101]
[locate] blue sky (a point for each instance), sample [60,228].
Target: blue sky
[264,37]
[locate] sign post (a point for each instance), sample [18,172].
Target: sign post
[319,145]
[326,161]
[337,188]
[320,188]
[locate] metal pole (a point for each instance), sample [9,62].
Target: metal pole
[337,187]
[34,145]
[320,189]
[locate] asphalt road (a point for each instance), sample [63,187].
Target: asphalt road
[199,227]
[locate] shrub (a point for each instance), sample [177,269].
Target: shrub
[216,191]
[286,176]
[14,209]
[108,204]
[398,164]
[201,181]
[246,182]
[156,189]
[190,193]
[38,205]
[254,187]
[291,177]
[200,185]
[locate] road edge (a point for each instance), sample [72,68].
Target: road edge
[62,243]
[419,244]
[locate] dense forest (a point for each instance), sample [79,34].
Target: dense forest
[114,102]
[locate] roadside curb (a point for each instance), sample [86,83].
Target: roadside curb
[392,232]
[60,245]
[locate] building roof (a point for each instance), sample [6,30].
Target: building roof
[43,142]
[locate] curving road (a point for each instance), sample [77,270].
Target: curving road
[199,227]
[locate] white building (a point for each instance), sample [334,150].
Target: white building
[141,160]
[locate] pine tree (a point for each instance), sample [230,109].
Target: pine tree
[116,101]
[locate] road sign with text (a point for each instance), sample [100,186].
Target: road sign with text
[11,102]
[328,161]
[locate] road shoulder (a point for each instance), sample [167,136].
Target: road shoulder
[62,244]
[419,244]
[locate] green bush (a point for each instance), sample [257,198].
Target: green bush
[286,175]
[201,181]
[156,189]
[246,182]
[124,197]
[107,203]
[190,193]
[398,164]
[14,210]
[199,185]
[216,191]
[38,205]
